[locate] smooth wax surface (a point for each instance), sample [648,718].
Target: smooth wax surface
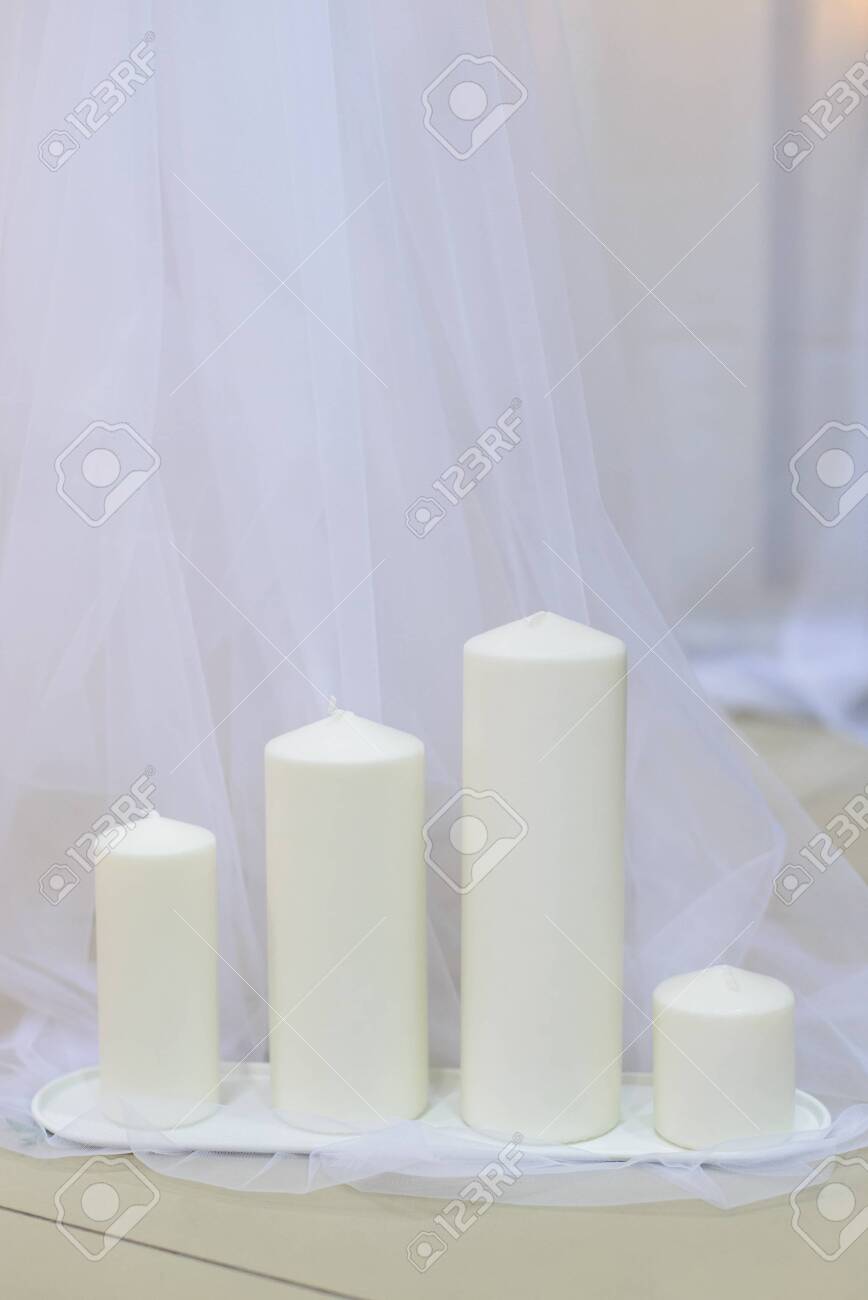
[346,922]
[156,924]
[724,1066]
[542,929]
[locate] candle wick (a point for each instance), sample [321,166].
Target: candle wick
[333,706]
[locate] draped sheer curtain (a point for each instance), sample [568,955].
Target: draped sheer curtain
[297,309]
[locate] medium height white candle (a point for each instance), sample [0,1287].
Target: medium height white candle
[542,914]
[346,921]
[156,933]
[723,1057]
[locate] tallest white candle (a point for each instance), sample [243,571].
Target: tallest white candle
[542,929]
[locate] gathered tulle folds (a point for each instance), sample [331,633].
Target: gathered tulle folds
[334,345]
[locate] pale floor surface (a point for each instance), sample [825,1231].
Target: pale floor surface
[204,1241]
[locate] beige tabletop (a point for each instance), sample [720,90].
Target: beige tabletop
[198,1240]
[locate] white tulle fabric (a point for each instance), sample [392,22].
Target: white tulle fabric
[310,308]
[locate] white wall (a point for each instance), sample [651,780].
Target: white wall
[683,103]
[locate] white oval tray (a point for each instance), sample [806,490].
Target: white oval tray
[69,1106]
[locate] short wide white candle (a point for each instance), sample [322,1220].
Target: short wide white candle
[724,1060]
[156,934]
[346,922]
[543,908]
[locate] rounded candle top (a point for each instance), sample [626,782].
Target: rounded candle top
[722,991]
[545,636]
[344,737]
[156,836]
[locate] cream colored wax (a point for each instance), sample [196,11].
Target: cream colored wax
[346,922]
[156,928]
[723,1057]
[542,912]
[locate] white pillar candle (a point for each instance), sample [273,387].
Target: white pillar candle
[723,1057]
[346,922]
[156,932]
[542,913]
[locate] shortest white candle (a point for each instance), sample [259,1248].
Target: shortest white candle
[724,1066]
[156,934]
